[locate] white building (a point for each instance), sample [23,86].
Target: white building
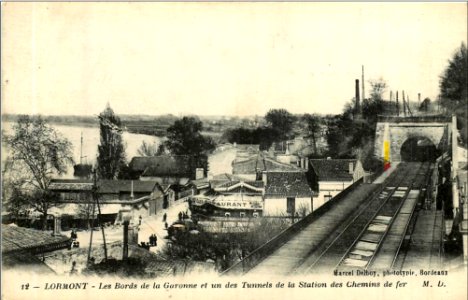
[331,176]
[287,193]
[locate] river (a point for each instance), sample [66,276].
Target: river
[218,163]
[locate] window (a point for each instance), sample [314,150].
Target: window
[242,214]
[227,215]
[255,214]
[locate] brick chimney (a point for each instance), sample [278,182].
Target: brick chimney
[358,99]
[199,173]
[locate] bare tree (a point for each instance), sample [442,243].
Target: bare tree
[37,152]
[378,87]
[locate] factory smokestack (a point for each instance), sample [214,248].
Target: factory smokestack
[358,99]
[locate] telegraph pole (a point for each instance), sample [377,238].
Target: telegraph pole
[96,203]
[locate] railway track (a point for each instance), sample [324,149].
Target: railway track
[364,230]
[359,240]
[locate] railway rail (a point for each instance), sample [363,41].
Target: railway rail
[366,231]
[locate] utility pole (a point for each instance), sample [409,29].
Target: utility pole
[410,113]
[363,90]
[81,149]
[404,103]
[455,201]
[96,203]
[397,105]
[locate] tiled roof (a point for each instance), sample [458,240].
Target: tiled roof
[104,186]
[259,163]
[256,183]
[70,185]
[287,184]
[220,179]
[164,165]
[333,169]
[16,238]
[117,186]
[23,260]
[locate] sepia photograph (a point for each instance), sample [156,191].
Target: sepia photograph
[257,150]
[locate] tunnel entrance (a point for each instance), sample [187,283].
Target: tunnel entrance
[419,149]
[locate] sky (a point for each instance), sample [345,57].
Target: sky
[219,58]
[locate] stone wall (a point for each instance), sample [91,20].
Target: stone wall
[437,133]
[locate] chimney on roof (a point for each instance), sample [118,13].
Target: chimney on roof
[199,173]
[264,177]
[351,167]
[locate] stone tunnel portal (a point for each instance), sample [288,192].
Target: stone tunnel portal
[420,149]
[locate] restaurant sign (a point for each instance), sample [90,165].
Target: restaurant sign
[228,204]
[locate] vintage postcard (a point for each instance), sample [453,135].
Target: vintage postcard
[238,150]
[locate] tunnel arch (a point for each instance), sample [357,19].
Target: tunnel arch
[418,148]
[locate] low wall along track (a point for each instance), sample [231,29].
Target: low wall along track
[366,229]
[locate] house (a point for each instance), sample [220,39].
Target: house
[118,199]
[200,186]
[165,169]
[230,199]
[331,176]
[169,195]
[22,247]
[175,170]
[287,193]
[252,167]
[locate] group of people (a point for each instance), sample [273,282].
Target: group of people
[183,215]
[153,240]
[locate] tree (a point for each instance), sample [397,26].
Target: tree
[111,151]
[454,89]
[424,106]
[313,123]
[184,138]
[378,87]
[454,80]
[37,152]
[282,121]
